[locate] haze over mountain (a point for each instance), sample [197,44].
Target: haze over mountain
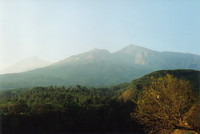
[99,67]
[27,64]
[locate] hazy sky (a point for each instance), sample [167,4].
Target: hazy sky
[56,29]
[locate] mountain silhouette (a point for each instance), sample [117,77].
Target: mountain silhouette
[100,68]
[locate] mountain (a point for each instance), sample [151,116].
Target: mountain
[25,65]
[100,68]
[158,60]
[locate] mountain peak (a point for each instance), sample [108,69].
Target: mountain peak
[136,54]
[27,64]
[97,50]
[90,55]
[131,46]
[134,47]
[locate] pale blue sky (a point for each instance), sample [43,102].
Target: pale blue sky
[56,29]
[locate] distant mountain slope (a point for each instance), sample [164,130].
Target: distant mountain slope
[25,65]
[99,67]
[131,89]
[158,60]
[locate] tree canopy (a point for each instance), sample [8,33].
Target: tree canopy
[168,103]
[65,110]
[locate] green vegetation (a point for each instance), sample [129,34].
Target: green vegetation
[60,109]
[168,103]
[125,108]
[137,85]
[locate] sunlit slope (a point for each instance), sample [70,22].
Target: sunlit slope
[133,88]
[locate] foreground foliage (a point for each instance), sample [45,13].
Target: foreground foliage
[168,103]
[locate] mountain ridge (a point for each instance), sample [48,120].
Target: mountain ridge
[24,65]
[99,67]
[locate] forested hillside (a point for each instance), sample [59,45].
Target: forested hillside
[82,109]
[134,87]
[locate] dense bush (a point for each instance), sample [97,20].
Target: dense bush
[60,109]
